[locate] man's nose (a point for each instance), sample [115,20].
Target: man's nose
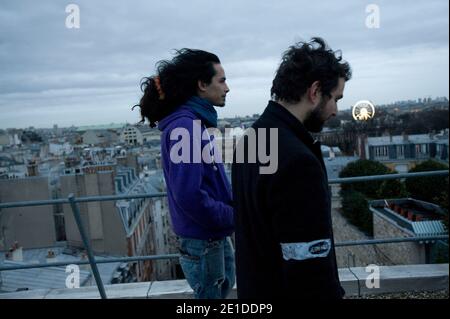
[335,111]
[227,89]
[333,114]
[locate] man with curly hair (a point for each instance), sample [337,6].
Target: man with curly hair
[284,238]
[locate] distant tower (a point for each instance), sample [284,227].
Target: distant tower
[56,130]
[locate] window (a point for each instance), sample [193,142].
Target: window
[400,151]
[381,151]
[421,149]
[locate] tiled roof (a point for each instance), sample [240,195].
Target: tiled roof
[399,139]
[49,277]
[36,278]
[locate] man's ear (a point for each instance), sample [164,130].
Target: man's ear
[314,92]
[201,86]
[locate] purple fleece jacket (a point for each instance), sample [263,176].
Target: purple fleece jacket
[200,200]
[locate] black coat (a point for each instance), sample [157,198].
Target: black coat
[290,207]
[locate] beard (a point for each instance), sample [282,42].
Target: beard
[315,122]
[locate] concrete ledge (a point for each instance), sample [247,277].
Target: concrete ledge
[27,294]
[138,290]
[392,279]
[348,281]
[170,289]
[402,278]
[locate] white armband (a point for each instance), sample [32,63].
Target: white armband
[303,251]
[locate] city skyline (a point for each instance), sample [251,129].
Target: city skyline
[137,122]
[89,75]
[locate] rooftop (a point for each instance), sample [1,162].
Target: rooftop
[392,278]
[111,126]
[49,277]
[408,139]
[405,279]
[417,217]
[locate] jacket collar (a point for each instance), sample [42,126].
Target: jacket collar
[292,122]
[297,127]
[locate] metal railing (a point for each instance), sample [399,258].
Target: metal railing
[72,200]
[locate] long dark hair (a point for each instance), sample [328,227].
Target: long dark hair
[175,82]
[304,63]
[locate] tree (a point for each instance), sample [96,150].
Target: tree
[427,188]
[442,201]
[364,168]
[355,206]
[392,188]
[355,209]
[333,123]
[30,137]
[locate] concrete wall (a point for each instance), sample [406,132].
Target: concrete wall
[344,231]
[101,219]
[140,243]
[336,200]
[381,254]
[32,227]
[4,139]
[163,239]
[398,253]
[364,255]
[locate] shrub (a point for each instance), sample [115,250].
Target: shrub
[427,188]
[355,209]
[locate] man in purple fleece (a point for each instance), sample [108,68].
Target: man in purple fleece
[180,99]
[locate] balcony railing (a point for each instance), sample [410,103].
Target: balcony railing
[72,200]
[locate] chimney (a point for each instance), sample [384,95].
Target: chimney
[84,257]
[16,252]
[32,168]
[51,257]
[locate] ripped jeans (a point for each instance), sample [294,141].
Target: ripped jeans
[208,266]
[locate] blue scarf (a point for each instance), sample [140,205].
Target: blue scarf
[204,110]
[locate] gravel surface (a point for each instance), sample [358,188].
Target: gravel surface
[440,294]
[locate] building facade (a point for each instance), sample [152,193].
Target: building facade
[403,152]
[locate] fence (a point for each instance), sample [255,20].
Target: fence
[72,200]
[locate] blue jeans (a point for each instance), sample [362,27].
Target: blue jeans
[208,266]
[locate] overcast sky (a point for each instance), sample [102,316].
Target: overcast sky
[51,74]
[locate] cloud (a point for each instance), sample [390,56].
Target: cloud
[46,66]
